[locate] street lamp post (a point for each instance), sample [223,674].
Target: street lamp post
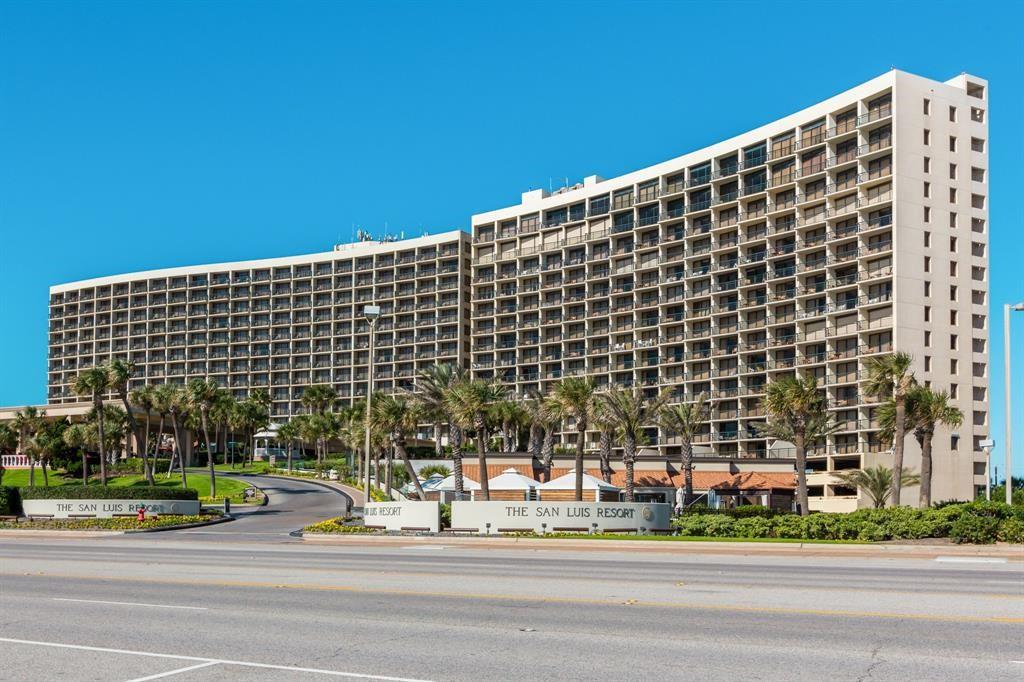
[1007,307]
[987,446]
[371,312]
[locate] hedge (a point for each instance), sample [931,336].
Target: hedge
[10,501]
[98,492]
[975,522]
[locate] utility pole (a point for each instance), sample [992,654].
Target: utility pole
[371,312]
[1007,307]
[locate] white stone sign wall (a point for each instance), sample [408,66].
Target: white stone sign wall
[404,515]
[62,509]
[550,517]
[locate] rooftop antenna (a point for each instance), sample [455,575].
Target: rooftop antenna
[550,184]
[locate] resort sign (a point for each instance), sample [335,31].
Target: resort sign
[64,509]
[415,516]
[553,517]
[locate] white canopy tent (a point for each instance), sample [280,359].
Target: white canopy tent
[594,489]
[512,485]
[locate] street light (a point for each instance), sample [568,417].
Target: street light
[1007,307]
[371,313]
[987,446]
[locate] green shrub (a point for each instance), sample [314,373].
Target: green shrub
[753,527]
[337,525]
[97,492]
[720,526]
[692,524]
[446,516]
[974,529]
[10,501]
[1012,530]
[430,470]
[116,523]
[870,532]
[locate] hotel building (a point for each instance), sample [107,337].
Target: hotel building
[853,228]
[279,324]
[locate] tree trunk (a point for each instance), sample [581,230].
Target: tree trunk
[158,441]
[801,476]
[629,447]
[547,453]
[897,451]
[456,439]
[485,489]
[581,429]
[400,448]
[31,472]
[687,472]
[438,446]
[506,438]
[926,471]
[133,425]
[98,404]
[389,474]
[209,455]
[46,479]
[147,464]
[85,468]
[605,449]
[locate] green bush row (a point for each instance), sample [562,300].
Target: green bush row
[117,523]
[974,523]
[98,492]
[10,501]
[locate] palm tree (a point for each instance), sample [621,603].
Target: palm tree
[606,426]
[320,399]
[509,415]
[8,442]
[573,400]
[629,411]
[288,432]
[431,385]
[685,420]
[26,422]
[77,437]
[797,412]
[47,443]
[468,403]
[889,376]
[163,397]
[144,398]
[925,409]
[180,411]
[221,412]
[94,382]
[876,482]
[535,420]
[396,416]
[119,372]
[202,396]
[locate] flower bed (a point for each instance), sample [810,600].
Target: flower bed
[117,523]
[336,526]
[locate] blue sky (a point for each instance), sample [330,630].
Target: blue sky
[143,135]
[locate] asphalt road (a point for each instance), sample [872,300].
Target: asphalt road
[177,606]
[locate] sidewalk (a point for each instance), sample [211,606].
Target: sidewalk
[893,550]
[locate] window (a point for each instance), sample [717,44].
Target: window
[954,391]
[953,318]
[952,244]
[953,341]
[952,143]
[927,165]
[978,225]
[977,174]
[927,190]
[927,363]
[927,136]
[952,269]
[952,219]
[927,214]
[927,239]
[927,106]
[953,366]
[952,171]
[977,115]
[952,195]
[977,201]
[927,288]
[952,293]
[927,339]
[952,114]
[927,263]
[927,313]
[977,144]
[954,443]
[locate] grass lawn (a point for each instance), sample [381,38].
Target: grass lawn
[200,482]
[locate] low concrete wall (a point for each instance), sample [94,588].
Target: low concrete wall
[62,509]
[403,515]
[541,517]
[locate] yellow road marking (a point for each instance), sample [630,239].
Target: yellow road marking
[548,600]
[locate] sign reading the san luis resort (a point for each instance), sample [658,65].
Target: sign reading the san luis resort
[550,517]
[62,509]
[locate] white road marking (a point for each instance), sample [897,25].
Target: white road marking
[970,560]
[132,603]
[177,671]
[201,659]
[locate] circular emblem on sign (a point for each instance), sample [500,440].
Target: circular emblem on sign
[174,507]
[646,513]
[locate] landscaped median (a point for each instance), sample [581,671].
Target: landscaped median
[961,523]
[98,508]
